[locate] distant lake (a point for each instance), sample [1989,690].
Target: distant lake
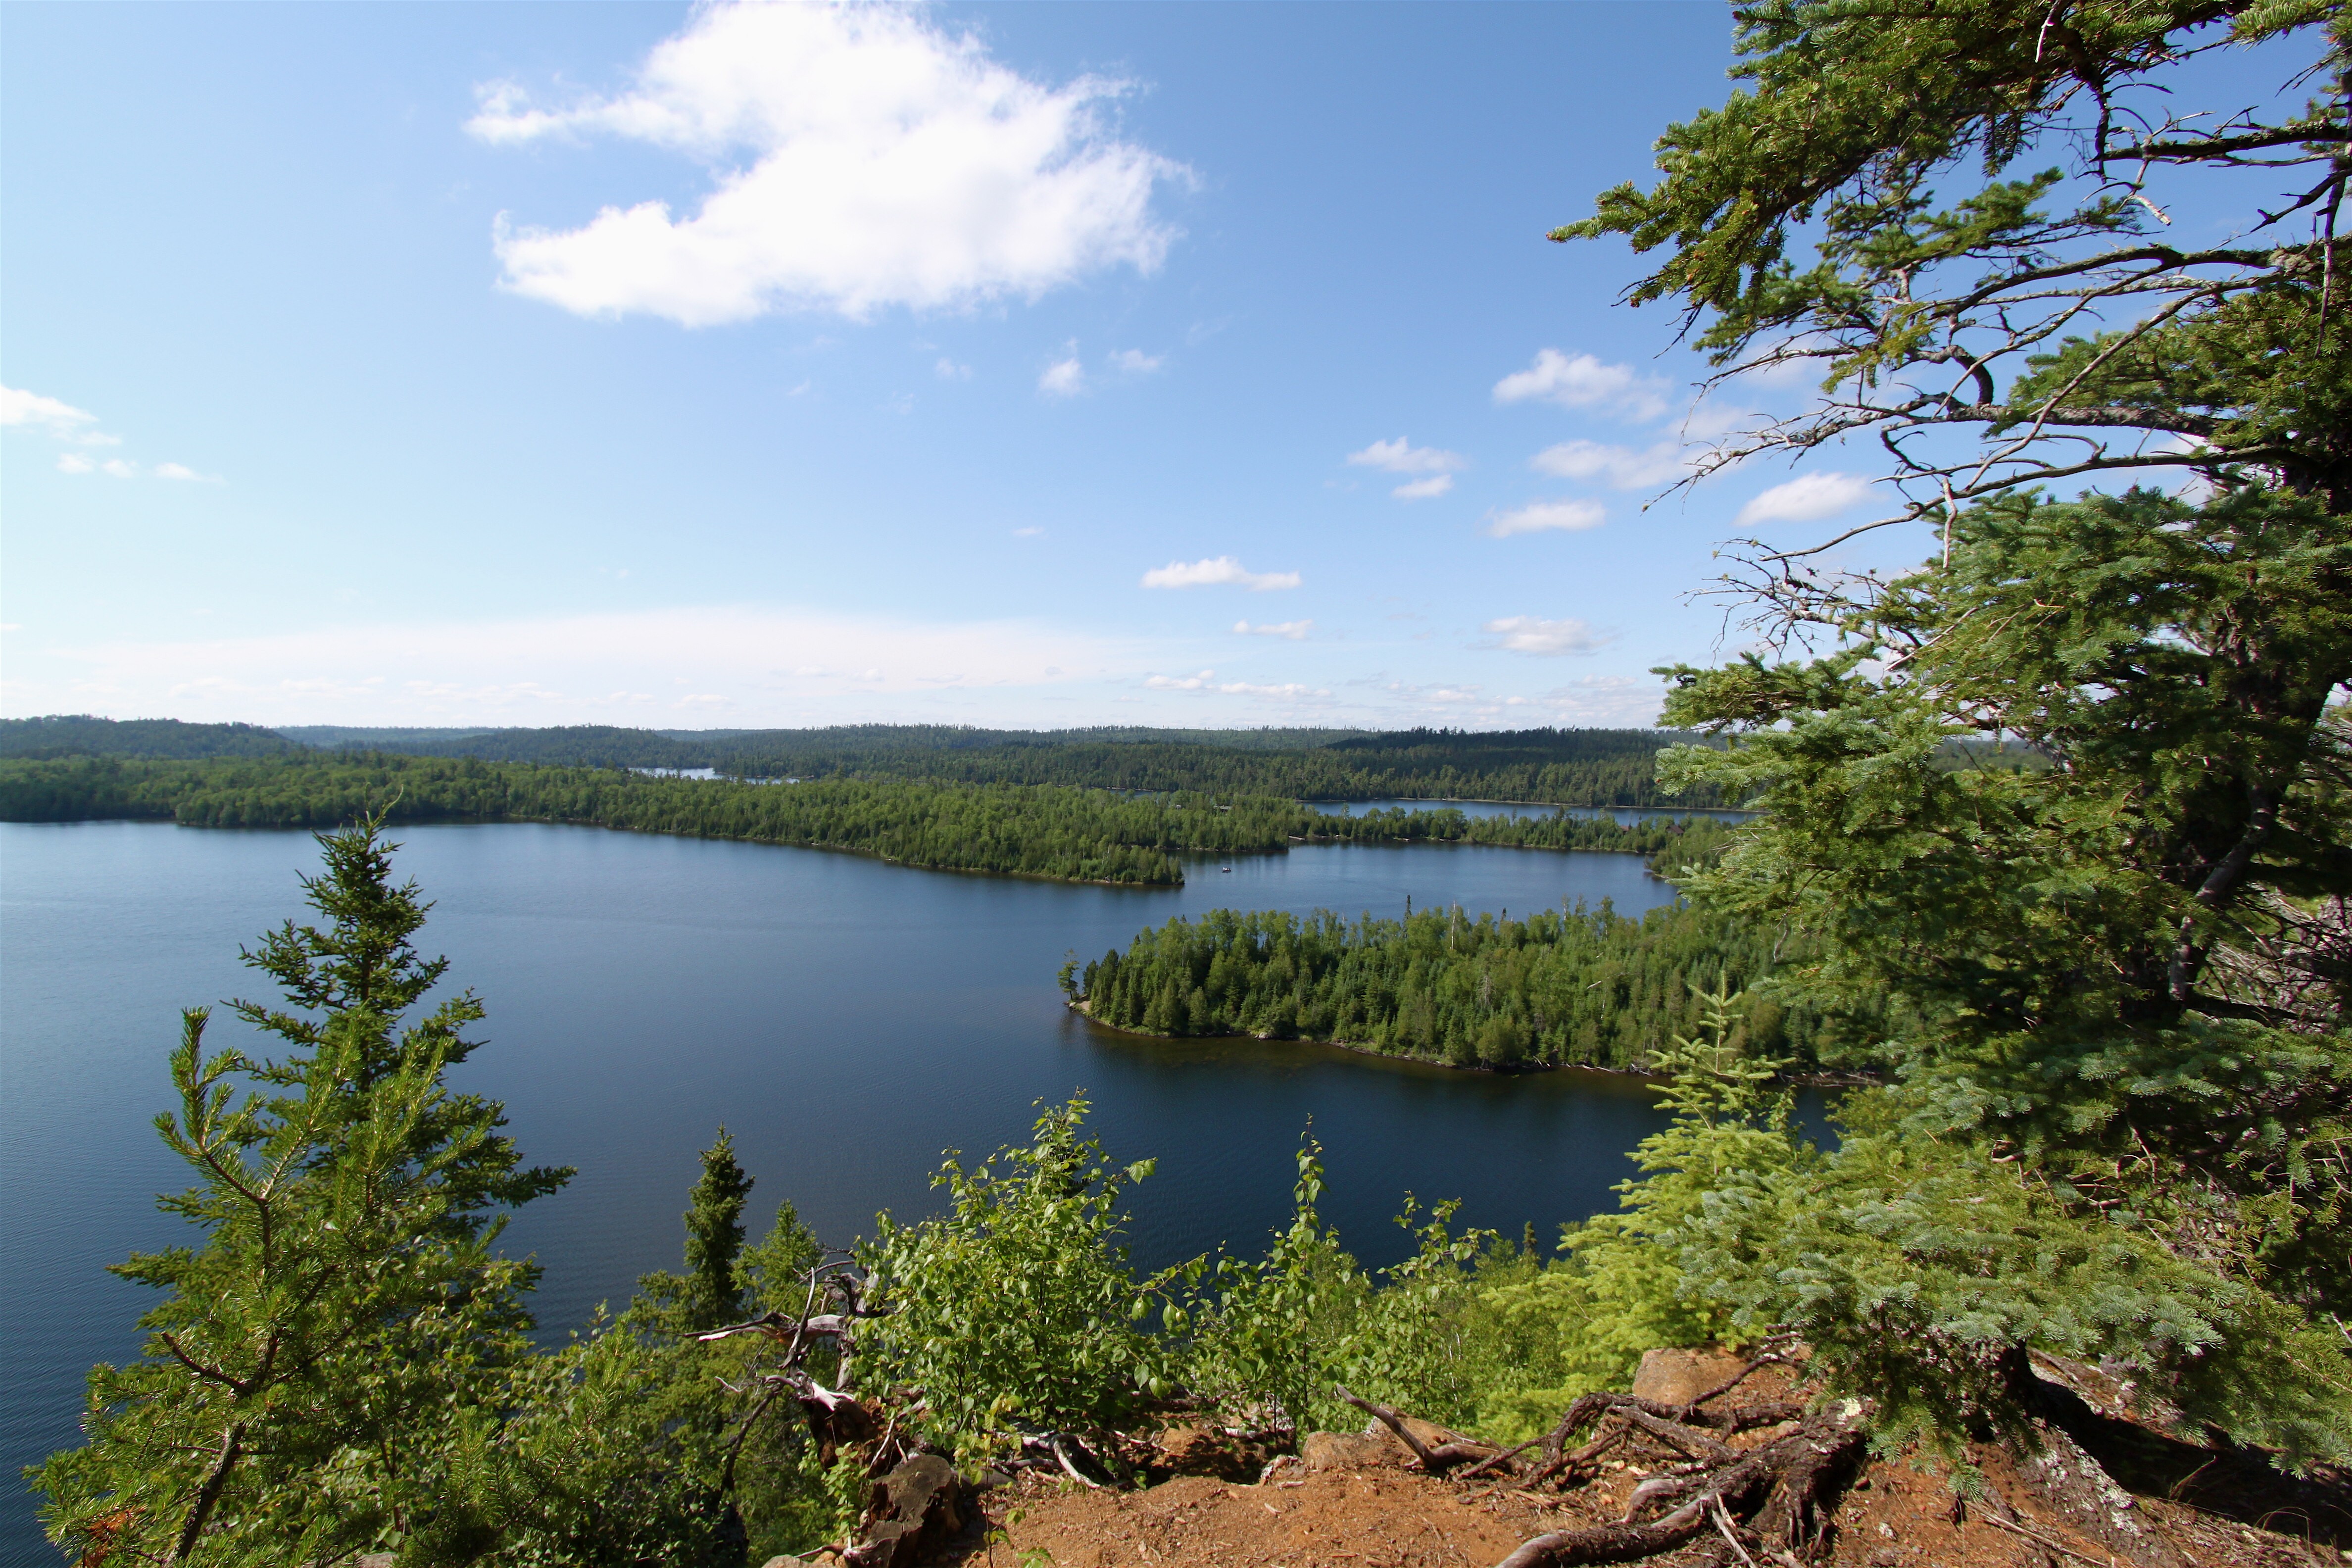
[1484,808]
[846,1019]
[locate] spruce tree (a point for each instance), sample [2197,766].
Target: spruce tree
[714,1237]
[314,1353]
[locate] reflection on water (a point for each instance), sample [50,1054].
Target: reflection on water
[846,1019]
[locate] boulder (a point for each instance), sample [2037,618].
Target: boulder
[1679,1376]
[911,1515]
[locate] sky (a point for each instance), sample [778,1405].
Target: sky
[732,366]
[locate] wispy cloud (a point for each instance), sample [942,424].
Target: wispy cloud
[1294,630]
[862,156]
[1580,381]
[767,662]
[1545,516]
[184,474]
[1206,680]
[1533,634]
[949,370]
[1402,457]
[1032,532]
[1622,468]
[30,411]
[1135,362]
[1806,498]
[1063,378]
[1217,571]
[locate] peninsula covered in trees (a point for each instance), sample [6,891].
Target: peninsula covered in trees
[1065,832]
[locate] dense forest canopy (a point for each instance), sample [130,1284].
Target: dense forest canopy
[1565,767]
[80,735]
[1035,830]
[1555,987]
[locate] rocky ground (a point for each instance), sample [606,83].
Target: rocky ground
[1361,1501]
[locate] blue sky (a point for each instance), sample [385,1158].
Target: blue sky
[1014,364]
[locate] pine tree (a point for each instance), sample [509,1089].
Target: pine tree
[313,1353]
[714,1237]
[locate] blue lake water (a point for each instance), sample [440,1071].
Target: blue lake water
[847,1020]
[1484,808]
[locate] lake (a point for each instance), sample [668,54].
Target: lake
[1624,815]
[846,1019]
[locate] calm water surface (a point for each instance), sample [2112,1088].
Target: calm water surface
[1486,808]
[847,1020]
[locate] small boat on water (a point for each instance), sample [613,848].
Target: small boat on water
[1224,868]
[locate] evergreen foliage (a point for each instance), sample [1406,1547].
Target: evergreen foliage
[2054,313]
[1567,767]
[80,735]
[313,1351]
[713,1290]
[1063,833]
[1589,987]
[2119,1124]
[2117,960]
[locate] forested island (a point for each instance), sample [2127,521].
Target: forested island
[1557,988]
[1063,832]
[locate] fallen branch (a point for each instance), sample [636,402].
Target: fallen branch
[2039,1539]
[1435,1461]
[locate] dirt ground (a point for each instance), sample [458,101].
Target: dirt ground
[1893,1517]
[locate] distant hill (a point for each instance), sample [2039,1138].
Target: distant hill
[362,735]
[81,735]
[1571,767]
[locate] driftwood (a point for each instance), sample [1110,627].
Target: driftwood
[1435,1461]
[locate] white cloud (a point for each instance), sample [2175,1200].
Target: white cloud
[1806,499]
[1539,516]
[1218,572]
[1580,381]
[1402,457]
[75,463]
[861,157]
[949,370]
[182,472]
[30,410]
[1135,362]
[1032,532]
[1533,634]
[120,469]
[770,664]
[1206,680]
[1624,468]
[1063,378]
[1294,630]
[1289,691]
